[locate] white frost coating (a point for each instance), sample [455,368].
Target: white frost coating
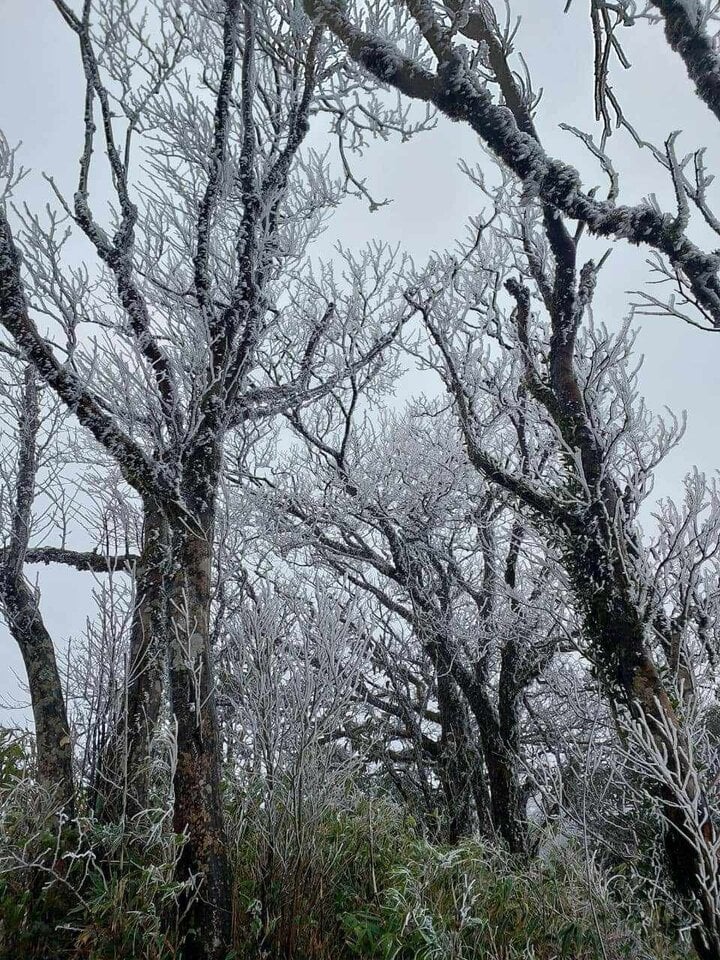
[364,564]
[694,9]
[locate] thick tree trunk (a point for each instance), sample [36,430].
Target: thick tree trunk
[52,731]
[197,782]
[500,757]
[125,777]
[500,760]
[457,769]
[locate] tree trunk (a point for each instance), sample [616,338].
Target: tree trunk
[505,793]
[125,778]
[20,605]
[52,731]
[457,769]
[499,756]
[197,781]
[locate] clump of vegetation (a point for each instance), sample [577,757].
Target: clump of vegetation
[374,888]
[83,888]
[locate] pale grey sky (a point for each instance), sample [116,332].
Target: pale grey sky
[41,102]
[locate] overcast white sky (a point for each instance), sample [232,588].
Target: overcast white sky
[41,103]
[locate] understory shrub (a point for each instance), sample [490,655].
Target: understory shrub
[372,887]
[84,889]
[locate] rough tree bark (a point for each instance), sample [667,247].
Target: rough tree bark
[25,622]
[197,781]
[125,775]
[458,771]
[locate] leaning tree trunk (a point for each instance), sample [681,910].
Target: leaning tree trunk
[125,774]
[52,731]
[20,606]
[197,782]
[631,680]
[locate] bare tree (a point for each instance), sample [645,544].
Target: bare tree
[200,335]
[580,472]
[448,559]
[462,601]
[422,52]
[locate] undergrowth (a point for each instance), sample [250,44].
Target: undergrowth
[357,882]
[371,888]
